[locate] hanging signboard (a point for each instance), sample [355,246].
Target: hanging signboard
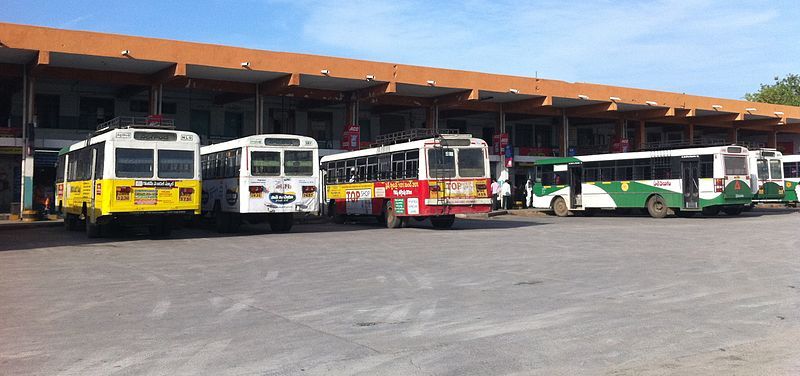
[351,137]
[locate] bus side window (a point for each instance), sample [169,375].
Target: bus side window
[398,165]
[99,160]
[361,165]
[642,169]
[624,170]
[372,168]
[384,167]
[606,171]
[350,170]
[412,164]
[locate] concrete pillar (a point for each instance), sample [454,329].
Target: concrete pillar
[689,133]
[641,135]
[258,111]
[432,117]
[620,131]
[563,135]
[28,122]
[733,135]
[772,139]
[156,92]
[351,112]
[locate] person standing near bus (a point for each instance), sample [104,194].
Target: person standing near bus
[495,193]
[528,193]
[505,191]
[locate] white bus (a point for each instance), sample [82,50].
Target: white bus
[688,181]
[766,175]
[267,177]
[132,171]
[791,177]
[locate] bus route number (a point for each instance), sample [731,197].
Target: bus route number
[359,194]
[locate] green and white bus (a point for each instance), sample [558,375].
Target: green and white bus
[766,176]
[791,177]
[688,181]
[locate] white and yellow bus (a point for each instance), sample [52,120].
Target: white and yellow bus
[269,177]
[131,172]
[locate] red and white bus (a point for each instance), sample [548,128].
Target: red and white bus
[427,176]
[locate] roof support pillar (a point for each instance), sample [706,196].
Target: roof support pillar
[733,135]
[688,133]
[28,123]
[432,117]
[259,111]
[156,92]
[772,139]
[641,135]
[620,131]
[563,135]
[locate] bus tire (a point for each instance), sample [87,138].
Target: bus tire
[392,220]
[337,218]
[748,208]
[92,229]
[656,206]
[443,221]
[71,222]
[710,211]
[733,210]
[559,207]
[281,222]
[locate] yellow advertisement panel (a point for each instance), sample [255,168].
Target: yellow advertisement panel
[339,191]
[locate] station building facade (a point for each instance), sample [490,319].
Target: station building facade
[57,85]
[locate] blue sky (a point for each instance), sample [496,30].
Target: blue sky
[708,47]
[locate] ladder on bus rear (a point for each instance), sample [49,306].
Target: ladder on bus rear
[441,178]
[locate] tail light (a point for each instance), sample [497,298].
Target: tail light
[718,185]
[309,188]
[435,188]
[123,193]
[123,189]
[481,187]
[98,189]
[186,191]
[256,189]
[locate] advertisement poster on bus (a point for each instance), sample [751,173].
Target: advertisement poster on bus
[351,137]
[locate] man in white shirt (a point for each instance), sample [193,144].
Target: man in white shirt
[505,191]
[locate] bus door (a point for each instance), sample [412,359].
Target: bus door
[575,185]
[690,175]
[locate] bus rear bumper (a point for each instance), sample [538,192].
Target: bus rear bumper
[146,218]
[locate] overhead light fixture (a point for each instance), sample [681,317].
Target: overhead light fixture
[716,106]
[513,91]
[651,103]
[779,113]
[432,82]
[584,97]
[370,77]
[615,99]
[325,72]
[125,52]
[245,64]
[750,109]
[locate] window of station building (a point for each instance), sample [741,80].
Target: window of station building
[320,125]
[544,135]
[169,108]
[139,106]
[234,123]
[457,124]
[48,109]
[265,163]
[93,111]
[365,130]
[487,133]
[298,162]
[200,122]
[524,135]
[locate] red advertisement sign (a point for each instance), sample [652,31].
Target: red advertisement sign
[499,142]
[351,137]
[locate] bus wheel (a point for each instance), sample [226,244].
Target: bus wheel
[337,218]
[711,211]
[733,210]
[657,207]
[560,207]
[92,229]
[443,222]
[281,222]
[748,208]
[392,220]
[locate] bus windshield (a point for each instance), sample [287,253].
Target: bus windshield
[471,163]
[442,163]
[176,164]
[299,163]
[775,169]
[735,165]
[265,163]
[134,163]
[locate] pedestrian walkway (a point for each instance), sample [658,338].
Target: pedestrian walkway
[10,225]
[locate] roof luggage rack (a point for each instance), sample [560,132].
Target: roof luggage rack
[151,122]
[413,135]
